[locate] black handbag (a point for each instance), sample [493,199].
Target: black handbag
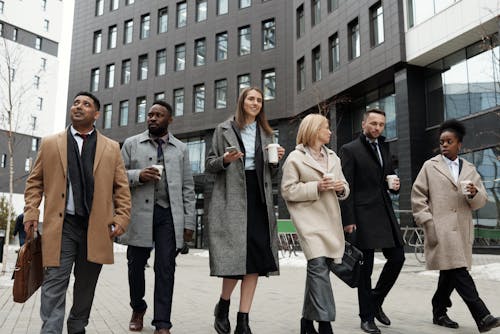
[350,268]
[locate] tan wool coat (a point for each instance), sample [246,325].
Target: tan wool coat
[111,202]
[316,215]
[445,213]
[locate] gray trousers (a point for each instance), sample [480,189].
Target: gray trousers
[318,298]
[56,280]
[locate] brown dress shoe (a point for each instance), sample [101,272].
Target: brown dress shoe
[162,331]
[136,322]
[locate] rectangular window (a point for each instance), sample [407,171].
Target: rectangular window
[99,7]
[141,109]
[301,24]
[301,74]
[221,94]
[27,163]
[129,2]
[94,80]
[1,29]
[180,57]
[96,48]
[316,64]
[376,24]
[39,103]
[354,41]
[124,113]
[315,12]
[243,82]
[113,5]
[181,14]
[221,48]
[36,81]
[43,64]
[222,7]
[142,73]
[14,34]
[44,4]
[196,149]
[334,52]
[34,144]
[38,43]
[161,62]
[332,5]
[46,25]
[268,34]
[128,32]
[244,40]
[201,10]
[112,37]
[245,3]
[159,96]
[269,84]
[108,114]
[199,52]
[162,20]
[33,122]
[110,76]
[126,68]
[2,4]
[179,102]
[145,26]
[199,98]
[4,161]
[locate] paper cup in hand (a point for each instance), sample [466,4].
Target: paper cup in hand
[391,179]
[272,153]
[463,186]
[328,175]
[159,168]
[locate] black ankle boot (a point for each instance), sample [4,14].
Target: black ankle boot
[221,312]
[242,324]
[325,327]
[307,326]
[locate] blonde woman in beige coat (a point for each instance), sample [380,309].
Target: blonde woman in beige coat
[312,185]
[440,206]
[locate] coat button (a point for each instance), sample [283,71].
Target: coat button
[150,158]
[62,195]
[60,214]
[147,200]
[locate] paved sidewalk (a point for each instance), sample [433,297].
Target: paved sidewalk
[276,308]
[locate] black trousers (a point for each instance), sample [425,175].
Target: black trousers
[458,279]
[369,298]
[164,267]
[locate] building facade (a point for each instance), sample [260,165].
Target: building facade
[408,57]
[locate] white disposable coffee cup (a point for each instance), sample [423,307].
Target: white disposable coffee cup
[160,169]
[328,175]
[391,179]
[463,186]
[272,153]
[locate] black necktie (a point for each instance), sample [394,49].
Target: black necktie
[84,136]
[159,152]
[374,146]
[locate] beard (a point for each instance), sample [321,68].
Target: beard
[158,131]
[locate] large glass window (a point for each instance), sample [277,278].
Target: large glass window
[162,20]
[354,40]
[110,76]
[221,41]
[38,43]
[179,102]
[196,149]
[113,5]
[141,109]
[301,74]
[99,7]
[108,115]
[180,57]
[199,52]
[201,10]
[199,98]
[316,63]
[181,14]
[245,3]
[421,10]
[243,82]
[159,96]
[332,5]
[334,52]
[161,62]
[145,26]
[94,80]
[269,84]
[315,12]
[244,40]
[142,73]
[126,68]
[222,7]
[377,24]
[96,48]
[123,113]
[268,34]
[112,36]
[221,94]
[128,32]
[301,24]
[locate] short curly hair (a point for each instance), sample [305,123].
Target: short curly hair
[454,126]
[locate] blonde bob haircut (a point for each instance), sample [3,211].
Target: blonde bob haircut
[309,128]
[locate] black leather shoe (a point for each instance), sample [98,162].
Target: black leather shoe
[221,312]
[488,323]
[307,326]
[445,321]
[382,317]
[370,327]
[242,324]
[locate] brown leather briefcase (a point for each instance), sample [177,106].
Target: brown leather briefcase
[28,274]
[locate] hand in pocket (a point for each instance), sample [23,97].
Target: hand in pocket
[430,234]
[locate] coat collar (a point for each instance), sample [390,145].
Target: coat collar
[442,167]
[309,161]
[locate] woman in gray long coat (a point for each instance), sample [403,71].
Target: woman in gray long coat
[242,228]
[444,210]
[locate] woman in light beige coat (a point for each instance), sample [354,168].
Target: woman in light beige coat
[312,185]
[445,212]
